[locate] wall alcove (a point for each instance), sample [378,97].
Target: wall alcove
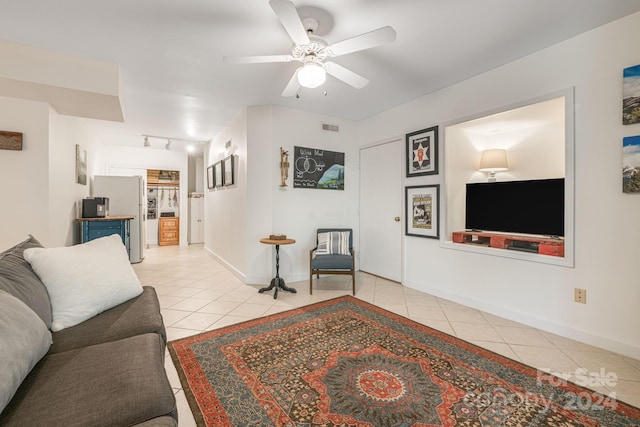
[538,136]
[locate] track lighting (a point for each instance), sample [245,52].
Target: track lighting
[190,144]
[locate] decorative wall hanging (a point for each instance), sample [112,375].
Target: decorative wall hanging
[284,167]
[210,181]
[316,168]
[81,165]
[422,152]
[228,171]
[631,95]
[217,173]
[10,140]
[422,211]
[631,164]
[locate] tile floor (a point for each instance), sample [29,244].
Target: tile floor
[198,294]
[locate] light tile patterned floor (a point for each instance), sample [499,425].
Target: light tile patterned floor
[198,294]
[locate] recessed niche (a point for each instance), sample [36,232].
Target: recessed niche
[537,136]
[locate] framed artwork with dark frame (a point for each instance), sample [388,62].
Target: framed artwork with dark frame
[422,152]
[217,174]
[228,171]
[422,211]
[210,182]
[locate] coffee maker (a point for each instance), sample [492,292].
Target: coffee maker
[95,207]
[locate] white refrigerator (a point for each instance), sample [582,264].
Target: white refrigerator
[126,197]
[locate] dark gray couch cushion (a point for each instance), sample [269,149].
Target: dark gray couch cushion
[18,279]
[137,316]
[332,262]
[120,383]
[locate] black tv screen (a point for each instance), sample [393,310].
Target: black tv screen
[528,207]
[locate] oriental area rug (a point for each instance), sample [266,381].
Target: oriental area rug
[345,362]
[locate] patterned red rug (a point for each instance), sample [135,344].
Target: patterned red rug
[345,362]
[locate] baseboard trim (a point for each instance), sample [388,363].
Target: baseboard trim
[535,322]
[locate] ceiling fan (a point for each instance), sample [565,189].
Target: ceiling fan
[313,51]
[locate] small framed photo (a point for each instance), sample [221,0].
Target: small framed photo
[81,165]
[210,183]
[217,174]
[228,171]
[422,152]
[422,211]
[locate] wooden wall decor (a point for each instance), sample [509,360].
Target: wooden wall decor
[10,140]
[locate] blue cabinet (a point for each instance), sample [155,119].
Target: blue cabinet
[93,228]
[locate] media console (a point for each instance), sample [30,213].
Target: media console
[539,245]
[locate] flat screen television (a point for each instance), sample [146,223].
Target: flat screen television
[528,207]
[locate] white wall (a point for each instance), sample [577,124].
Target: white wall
[225,213]
[238,217]
[40,195]
[606,225]
[65,195]
[24,205]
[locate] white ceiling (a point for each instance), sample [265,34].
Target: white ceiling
[175,83]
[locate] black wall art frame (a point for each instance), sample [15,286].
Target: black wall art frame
[217,174]
[228,171]
[318,168]
[422,152]
[422,211]
[210,182]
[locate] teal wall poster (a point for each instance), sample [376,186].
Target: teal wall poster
[316,168]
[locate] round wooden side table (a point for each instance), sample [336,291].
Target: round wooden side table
[277,282]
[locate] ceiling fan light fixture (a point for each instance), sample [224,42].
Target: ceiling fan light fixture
[312,75]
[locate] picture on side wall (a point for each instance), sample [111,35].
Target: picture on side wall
[228,171]
[422,211]
[81,165]
[217,173]
[631,95]
[210,182]
[422,152]
[631,164]
[317,168]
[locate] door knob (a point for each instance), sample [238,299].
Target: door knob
[396,219]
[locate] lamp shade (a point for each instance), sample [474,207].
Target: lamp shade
[494,160]
[311,75]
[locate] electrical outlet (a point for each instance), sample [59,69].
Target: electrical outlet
[580,295]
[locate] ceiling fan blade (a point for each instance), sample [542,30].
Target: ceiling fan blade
[290,20]
[256,59]
[364,41]
[346,75]
[292,86]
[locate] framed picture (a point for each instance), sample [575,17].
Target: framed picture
[318,168]
[81,165]
[630,95]
[422,152]
[217,174]
[422,211]
[210,182]
[228,171]
[631,164]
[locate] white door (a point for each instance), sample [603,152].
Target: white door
[196,224]
[381,210]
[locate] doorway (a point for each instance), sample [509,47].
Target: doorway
[381,209]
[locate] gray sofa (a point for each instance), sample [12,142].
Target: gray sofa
[106,371]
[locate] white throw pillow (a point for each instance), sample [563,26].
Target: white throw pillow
[333,243]
[24,340]
[84,280]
